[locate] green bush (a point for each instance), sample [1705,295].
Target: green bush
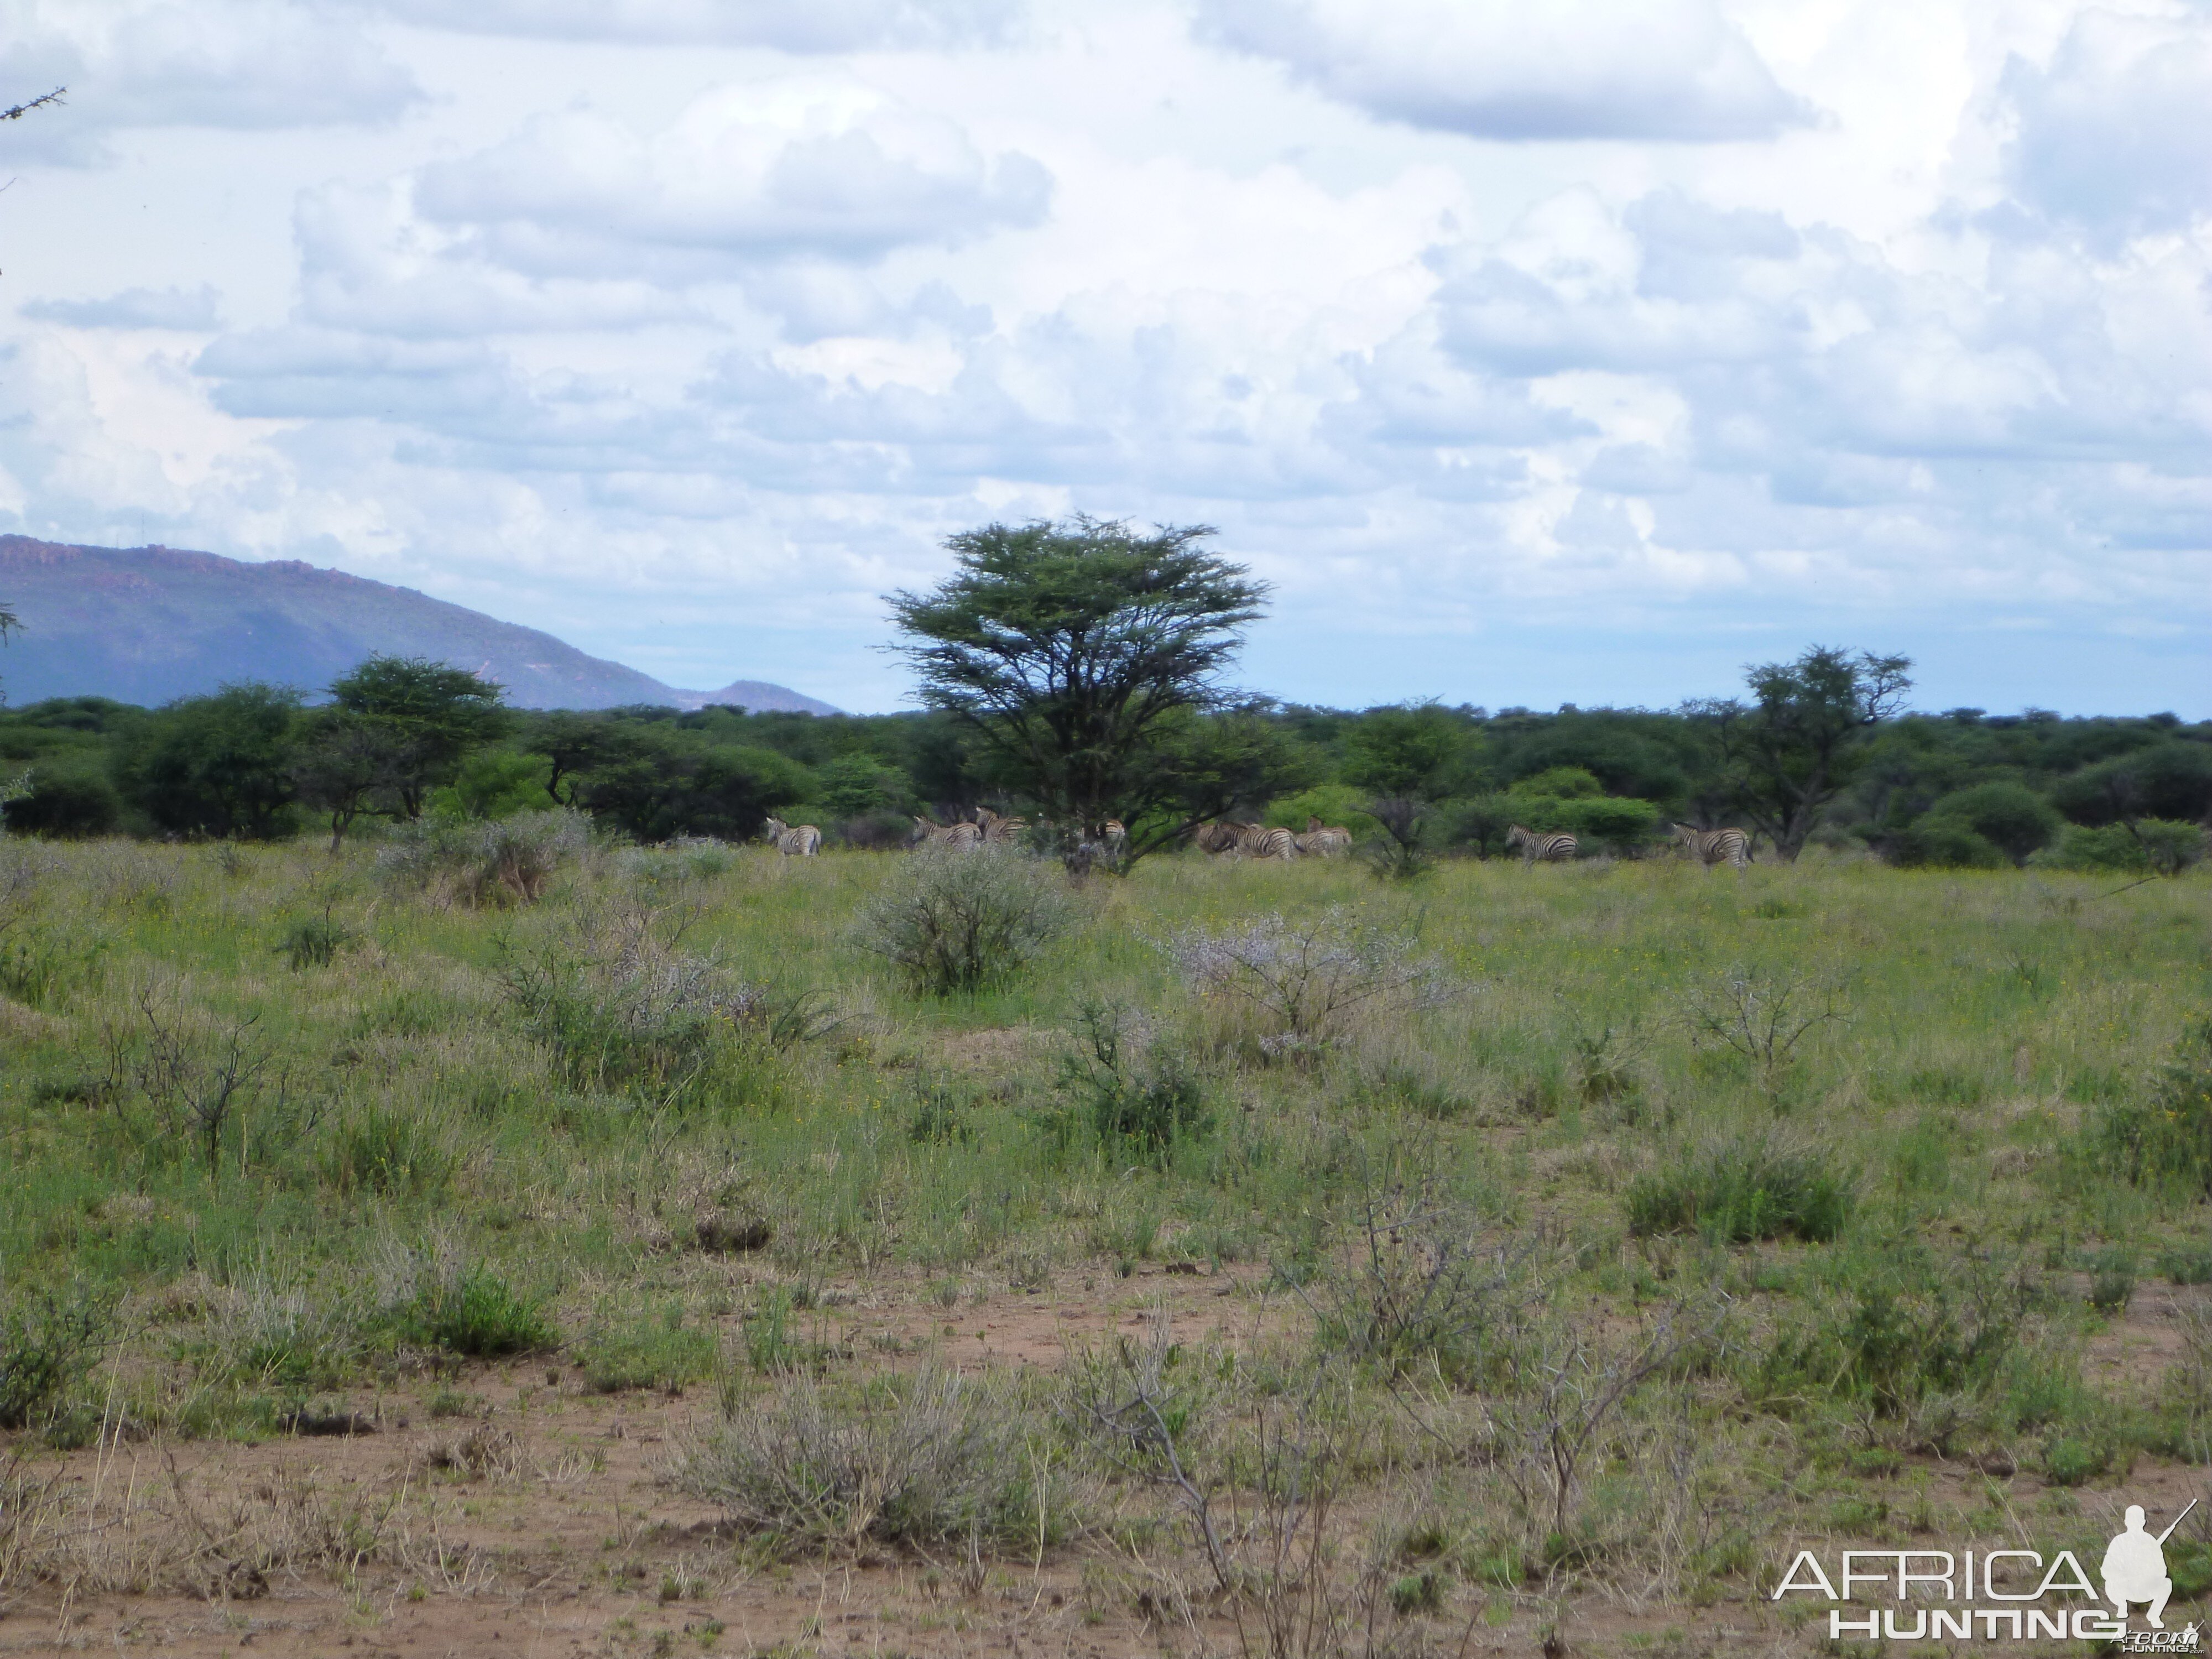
[653,1353]
[476,1315]
[47,1344]
[67,799]
[2148,846]
[1944,843]
[2166,1139]
[507,862]
[1132,1089]
[1332,803]
[2170,848]
[491,784]
[1559,783]
[1477,823]
[1910,1329]
[1570,799]
[631,1016]
[2108,847]
[2010,817]
[956,921]
[384,1150]
[36,964]
[2190,1265]
[313,941]
[1748,1190]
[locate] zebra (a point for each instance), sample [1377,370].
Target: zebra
[1712,847]
[1324,841]
[1219,837]
[960,837]
[996,831]
[1256,841]
[1555,847]
[793,840]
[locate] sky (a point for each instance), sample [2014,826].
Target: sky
[1582,352]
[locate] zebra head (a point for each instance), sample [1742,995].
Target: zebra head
[773,829]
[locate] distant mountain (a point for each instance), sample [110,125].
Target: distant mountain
[144,624]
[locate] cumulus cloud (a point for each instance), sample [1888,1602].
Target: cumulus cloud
[238,64]
[1501,69]
[369,263]
[746,174]
[816,26]
[2113,135]
[668,375]
[195,310]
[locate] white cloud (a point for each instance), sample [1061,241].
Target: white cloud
[2114,135]
[692,356]
[197,310]
[747,174]
[817,26]
[234,65]
[1673,69]
[368,262]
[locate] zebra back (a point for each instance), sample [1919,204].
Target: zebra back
[1710,847]
[1324,841]
[1256,841]
[1554,846]
[997,829]
[800,841]
[960,837]
[1221,836]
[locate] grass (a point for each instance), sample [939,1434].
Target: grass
[1847,1162]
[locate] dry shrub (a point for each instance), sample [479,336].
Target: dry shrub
[1306,980]
[932,1459]
[140,1532]
[480,1453]
[956,921]
[508,862]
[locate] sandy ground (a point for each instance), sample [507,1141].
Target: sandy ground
[537,1523]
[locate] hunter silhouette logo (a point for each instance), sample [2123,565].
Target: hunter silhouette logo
[2000,1595]
[2134,1566]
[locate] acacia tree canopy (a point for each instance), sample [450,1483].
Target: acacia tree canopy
[1076,654]
[425,718]
[1796,744]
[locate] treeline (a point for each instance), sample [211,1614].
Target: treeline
[399,740]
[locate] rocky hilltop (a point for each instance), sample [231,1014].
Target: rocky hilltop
[145,625]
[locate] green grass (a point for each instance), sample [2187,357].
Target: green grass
[1914,1214]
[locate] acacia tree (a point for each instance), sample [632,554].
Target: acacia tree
[426,716]
[347,767]
[1084,659]
[1798,742]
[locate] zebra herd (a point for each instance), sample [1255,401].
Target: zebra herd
[1230,838]
[1227,836]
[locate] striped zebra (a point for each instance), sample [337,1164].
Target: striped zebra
[1324,841]
[960,837]
[1712,847]
[793,840]
[999,831]
[1116,833]
[1256,841]
[1220,835]
[1555,848]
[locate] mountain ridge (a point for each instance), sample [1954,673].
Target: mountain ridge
[148,624]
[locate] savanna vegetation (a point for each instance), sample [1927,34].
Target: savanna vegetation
[1405,1264]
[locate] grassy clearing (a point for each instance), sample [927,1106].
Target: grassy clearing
[1773,1197]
